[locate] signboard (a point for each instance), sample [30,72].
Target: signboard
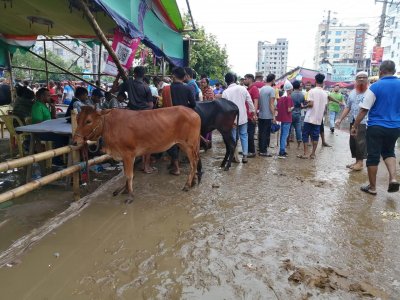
[377,55]
[344,72]
[125,49]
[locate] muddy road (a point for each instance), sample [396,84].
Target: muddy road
[271,229]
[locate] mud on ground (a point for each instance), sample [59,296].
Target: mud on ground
[271,229]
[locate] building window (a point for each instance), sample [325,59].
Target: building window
[337,48]
[359,40]
[59,52]
[344,40]
[392,54]
[343,47]
[336,55]
[394,40]
[396,25]
[338,40]
[338,33]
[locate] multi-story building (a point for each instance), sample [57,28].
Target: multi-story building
[273,58]
[343,44]
[391,36]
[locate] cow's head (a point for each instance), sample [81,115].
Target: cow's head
[90,125]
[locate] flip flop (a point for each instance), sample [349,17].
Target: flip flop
[153,169]
[312,156]
[366,189]
[302,156]
[393,187]
[172,172]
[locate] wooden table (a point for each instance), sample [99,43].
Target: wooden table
[56,126]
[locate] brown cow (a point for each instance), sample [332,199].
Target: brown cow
[128,134]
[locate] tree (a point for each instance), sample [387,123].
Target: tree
[206,55]
[26,59]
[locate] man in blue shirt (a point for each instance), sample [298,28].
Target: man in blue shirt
[381,103]
[190,80]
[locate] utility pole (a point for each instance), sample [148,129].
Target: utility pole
[328,22]
[379,37]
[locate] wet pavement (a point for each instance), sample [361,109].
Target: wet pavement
[271,229]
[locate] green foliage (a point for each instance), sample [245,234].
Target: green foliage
[206,55]
[26,59]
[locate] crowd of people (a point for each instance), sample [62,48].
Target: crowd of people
[292,107]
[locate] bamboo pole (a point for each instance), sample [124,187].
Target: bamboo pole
[99,64]
[13,95]
[75,157]
[30,159]
[61,68]
[26,188]
[45,63]
[102,37]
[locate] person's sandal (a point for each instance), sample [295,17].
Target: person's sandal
[366,189]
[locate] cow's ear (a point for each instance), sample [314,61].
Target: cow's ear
[104,112]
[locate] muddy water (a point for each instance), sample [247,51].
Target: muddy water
[272,229]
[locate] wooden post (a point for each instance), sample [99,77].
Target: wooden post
[45,64]
[13,96]
[75,158]
[102,37]
[99,65]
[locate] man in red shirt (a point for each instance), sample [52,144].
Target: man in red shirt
[259,80]
[284,107]
[252,122]
[52,90]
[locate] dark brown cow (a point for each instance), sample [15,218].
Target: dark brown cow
[128,134]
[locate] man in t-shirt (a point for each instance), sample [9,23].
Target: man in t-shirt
[5,92]
[381,103]
[316,105]
[259,80]
[240,96]
[218,89]
[190,79]
[336,100]
[140,98]
[266,115]
[251,124]
[52,90]
[180,94]
[69,93]
[284,108]
[41,113]
[298,102]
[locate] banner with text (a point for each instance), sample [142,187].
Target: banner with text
[344,72]
[125,49]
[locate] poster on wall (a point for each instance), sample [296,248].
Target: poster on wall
[125,49]
[377,55]
[344,72]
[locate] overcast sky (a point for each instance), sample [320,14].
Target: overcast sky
[241,24]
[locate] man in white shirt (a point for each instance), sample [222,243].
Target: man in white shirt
[239,95]
[316,106]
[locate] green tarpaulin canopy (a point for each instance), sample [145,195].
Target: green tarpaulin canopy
[156,22]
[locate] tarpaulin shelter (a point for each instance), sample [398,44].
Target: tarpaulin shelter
[302,74]
[157,23]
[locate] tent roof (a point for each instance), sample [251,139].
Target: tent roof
[156,22]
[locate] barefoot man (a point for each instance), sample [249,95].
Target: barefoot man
[358,144]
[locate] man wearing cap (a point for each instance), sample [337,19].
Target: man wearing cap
[316,105]
[358,144]
[381,103]
[284,107]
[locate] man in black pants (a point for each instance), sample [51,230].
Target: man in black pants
[266,115]
[381,103]
[181,94]
[251,123]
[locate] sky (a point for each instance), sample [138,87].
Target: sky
[241,24]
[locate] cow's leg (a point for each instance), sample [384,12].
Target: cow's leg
[128,170]
[199,170]
[190,151]
[224,136]
[230,149]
